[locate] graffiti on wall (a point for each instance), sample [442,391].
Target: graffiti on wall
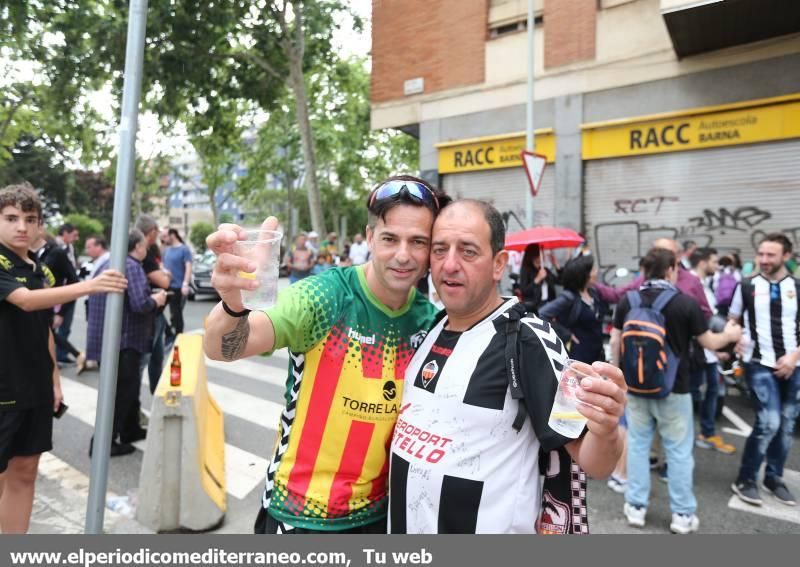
[623,242]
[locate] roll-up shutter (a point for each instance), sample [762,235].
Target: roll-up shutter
[505,189]
[727,198]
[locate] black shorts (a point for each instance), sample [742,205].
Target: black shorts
[24,432]
[266,524]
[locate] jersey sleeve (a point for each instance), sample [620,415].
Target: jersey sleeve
[306,311]
[8,284]
[541,353]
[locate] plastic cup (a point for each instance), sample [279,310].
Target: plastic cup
[564,417]
[264,248]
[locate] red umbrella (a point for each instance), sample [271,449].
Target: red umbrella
[545,237]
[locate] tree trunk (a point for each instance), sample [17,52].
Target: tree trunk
[297,82]
[212,204]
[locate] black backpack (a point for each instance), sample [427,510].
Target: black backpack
[563,509]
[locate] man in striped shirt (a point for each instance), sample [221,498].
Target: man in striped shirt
[768,303]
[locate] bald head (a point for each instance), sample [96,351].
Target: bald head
[497,230]
[668,244]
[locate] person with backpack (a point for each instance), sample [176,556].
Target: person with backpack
[578,312]
[652,329]
[466,449]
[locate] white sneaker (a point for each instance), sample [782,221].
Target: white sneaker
[684,523]
[617,484]
[635,515]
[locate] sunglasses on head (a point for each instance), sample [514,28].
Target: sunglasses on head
[417,191]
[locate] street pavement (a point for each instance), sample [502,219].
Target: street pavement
[250,393]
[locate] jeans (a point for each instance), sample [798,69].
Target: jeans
[126,404]
[176,302]
[708,375]
[672,417]
[67,312]
[775,402]
[154,360]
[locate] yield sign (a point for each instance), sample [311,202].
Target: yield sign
[534,167]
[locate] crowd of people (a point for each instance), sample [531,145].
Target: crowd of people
[308,257]
[41,284]
[390,401]
[700,291]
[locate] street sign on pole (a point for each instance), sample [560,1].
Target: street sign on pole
[112,322]
[534,168]
[530,138]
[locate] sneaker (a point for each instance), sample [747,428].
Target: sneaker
[747,491]
[635,515]
[714,442]
[80,363]
[684,523]
[653,462]
[778,489]
[617,484]
[662,473]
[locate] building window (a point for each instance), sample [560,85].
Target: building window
[512,27]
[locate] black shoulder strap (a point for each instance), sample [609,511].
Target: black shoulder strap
[513,367]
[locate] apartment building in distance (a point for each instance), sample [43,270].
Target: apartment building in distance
[675,118]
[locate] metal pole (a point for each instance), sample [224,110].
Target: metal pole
[112,324]
[529,136]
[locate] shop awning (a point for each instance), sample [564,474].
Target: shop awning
[700,26]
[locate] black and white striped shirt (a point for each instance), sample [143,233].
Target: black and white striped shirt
[457,463]
[771,317]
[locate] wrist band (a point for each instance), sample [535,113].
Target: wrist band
[233,313]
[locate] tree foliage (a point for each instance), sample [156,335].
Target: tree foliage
[208,64]
[86,226]
[352,158]
[198,234]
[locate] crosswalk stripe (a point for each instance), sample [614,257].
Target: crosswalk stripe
[742,428]
[253,370]
[243,470]
[771,507]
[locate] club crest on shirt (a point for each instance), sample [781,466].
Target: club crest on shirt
[429,372]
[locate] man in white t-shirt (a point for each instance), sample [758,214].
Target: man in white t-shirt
[359,251]
[458,463]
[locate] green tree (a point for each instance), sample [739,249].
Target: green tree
[198,234]
[245,50]
[33,161]
[86,226]
[351,156]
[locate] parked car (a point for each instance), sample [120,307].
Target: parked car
[201,275]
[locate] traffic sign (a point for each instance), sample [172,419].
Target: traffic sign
[534,168]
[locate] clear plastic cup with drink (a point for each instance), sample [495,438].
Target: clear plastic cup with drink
[564,417]
[263,247]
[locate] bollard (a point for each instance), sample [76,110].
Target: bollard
[182,481]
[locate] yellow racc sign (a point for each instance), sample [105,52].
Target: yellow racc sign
[492,152]
[744,123]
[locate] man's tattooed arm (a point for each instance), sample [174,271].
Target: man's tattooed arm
[233,343]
